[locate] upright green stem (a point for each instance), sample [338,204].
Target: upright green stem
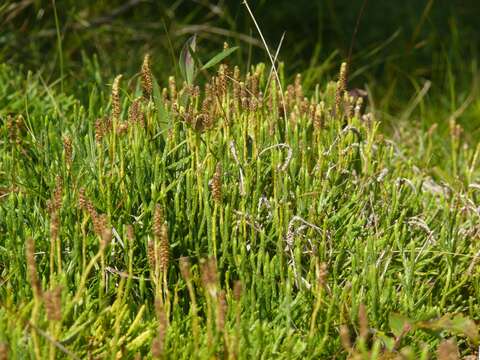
[59,43]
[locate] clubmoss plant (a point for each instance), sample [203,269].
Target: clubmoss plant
[229,216]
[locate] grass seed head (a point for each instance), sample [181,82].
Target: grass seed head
[245,103]
[99,130]
[209,276]
[455,130]
[243,95]
[11,129]
[130,233]
[147,84]
[448,350]
[185,268]
[298,88]
[236,74]
[252,104]
[254,80]
[318,117]
[116,105]
[363,321]
[342,78]
[106,237]
[32,268]
[322,273]
[358,107]
[196,92]
[290,95]
[98,224]
[161,249]
[222,79]
[165,95]
[67,147]
[270,105]
[221,311]
[204,120]
[158,343]
[151,254]
[260,100]
[158,220]
[349,103]
[172,88]
[54,226]
[14,129]
[236,85]
[83,201]
[217,184]
[122,128]
[164,248]
[189,115]
[157,347]
[345,338]
[237,290]
[57,195]
[53,300]
[341,87]
[304,106]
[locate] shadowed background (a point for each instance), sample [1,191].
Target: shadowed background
[399,45]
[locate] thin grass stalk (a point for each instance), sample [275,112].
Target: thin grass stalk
[52,300]
[321,270]
[37,293]
[86,272]
[237,295]
[187,276]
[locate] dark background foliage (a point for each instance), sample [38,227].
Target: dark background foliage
[399,44]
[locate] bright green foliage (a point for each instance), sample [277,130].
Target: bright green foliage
[313,215]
